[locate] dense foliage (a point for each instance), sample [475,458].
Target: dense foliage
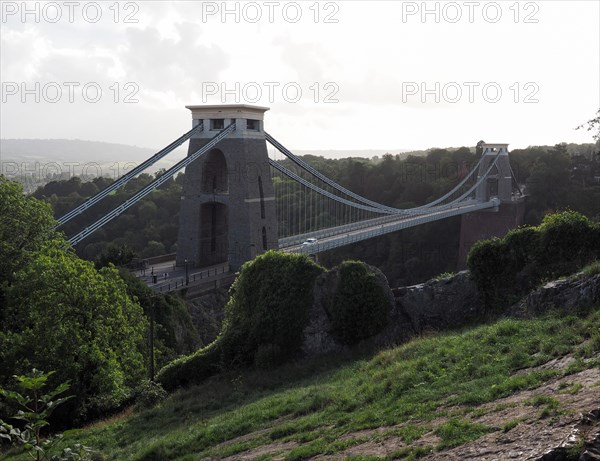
[26,225]
[264,319]
[64,315]
[60,313]
[554,178]
[507,268]
[358,308]
[269,304]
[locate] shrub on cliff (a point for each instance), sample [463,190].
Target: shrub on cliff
[191,369]
[270,303]
[507,268]
[264,319]
[358,309]
[568,241]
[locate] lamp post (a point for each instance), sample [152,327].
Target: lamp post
[187,277]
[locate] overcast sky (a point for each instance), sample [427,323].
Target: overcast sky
[336,75]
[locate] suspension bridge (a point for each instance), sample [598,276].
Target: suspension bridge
[239,202]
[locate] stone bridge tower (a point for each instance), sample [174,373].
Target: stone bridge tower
[228,211]
[491,222]
[499,181]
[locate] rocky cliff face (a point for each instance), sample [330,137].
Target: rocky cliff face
[207,312]
[564,295]
[441,304]
[436,305]
[431,306]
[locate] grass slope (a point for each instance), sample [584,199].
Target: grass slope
[309,408]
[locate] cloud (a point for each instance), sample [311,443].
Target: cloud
[311,61]
[160,64]
[22,52]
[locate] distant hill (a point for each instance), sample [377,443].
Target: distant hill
[69,150]
[587,150]
[77,150]
[35,162]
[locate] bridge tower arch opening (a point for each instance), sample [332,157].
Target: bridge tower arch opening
[227,209]
[214,174]
[213,233]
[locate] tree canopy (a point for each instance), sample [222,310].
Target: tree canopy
[60,313]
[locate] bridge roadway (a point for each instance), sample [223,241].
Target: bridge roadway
[335,237]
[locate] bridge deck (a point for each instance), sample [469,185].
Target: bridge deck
[344,235]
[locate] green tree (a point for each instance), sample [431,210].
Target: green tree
[65,315]
[269,304]
[153,248]
[25,225]
[549,179]
[147,212]
[119,255]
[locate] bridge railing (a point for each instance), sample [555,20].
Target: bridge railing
[179,283]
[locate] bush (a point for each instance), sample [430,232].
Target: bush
[192,368]
[270,302]
[264,319]
[568,240]
[358,309]
[148,394]
[489,263]
[506,269]
[522,244]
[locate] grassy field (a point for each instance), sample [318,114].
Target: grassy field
[310,407]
